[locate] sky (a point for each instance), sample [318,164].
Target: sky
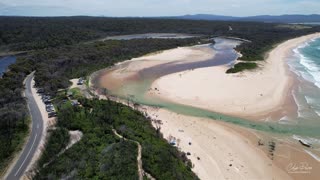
[121,8]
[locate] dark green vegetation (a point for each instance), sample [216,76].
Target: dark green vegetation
[14,120]
[25,33]
[59,139]
[54,67]
[242,66]
[30,33]
[100,154]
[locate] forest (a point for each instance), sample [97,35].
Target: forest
[34,33]
[54,67]
[100,154]
[61,48]
[14,115]
[57,65]
[30,33]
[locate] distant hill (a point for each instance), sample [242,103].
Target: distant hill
[263,18]
[207,17]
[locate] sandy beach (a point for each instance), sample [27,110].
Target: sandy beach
[115,78]
[219,150]
[223,153]
[249,93]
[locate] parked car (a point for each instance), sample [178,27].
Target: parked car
[40,91]
[80,81]
[50,107]
[46,99]
[52,114]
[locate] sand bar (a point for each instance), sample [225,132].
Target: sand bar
[250,93]
[224,152]
[124,70]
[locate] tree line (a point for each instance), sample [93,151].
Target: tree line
[100,154]
[33,33]
[54,68]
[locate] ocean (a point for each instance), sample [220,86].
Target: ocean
[306,65]
[5,62]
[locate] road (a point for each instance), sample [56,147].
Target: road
[35,136]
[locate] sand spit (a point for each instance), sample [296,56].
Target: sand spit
[250,93]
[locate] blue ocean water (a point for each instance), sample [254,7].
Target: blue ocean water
[5,62]
[306,64]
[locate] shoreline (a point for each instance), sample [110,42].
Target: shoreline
[261,91]
[211,145]
[113,78]
[215,160]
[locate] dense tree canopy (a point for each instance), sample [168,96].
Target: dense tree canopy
[26,33]
[100,154]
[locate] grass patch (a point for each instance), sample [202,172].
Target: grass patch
[242,66]
[76,92]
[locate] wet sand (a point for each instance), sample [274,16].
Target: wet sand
[116,77]
[250,93]
[217,151]
[226,151]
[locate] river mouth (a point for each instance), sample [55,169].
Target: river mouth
[136,84]
[131,81]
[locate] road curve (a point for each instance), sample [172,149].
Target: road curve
[35,136]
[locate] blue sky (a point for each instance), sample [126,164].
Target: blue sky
[157,7]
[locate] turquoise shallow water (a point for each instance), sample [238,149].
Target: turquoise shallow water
[302,129]
[306,125]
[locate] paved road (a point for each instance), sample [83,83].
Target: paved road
[35,137]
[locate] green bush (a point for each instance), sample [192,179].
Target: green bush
[242,66]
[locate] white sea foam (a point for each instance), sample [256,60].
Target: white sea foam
[310,100]
[314,104]
[307,139]
[313,155]
[312,73]
[286,120]
[298,103]
[300,138]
